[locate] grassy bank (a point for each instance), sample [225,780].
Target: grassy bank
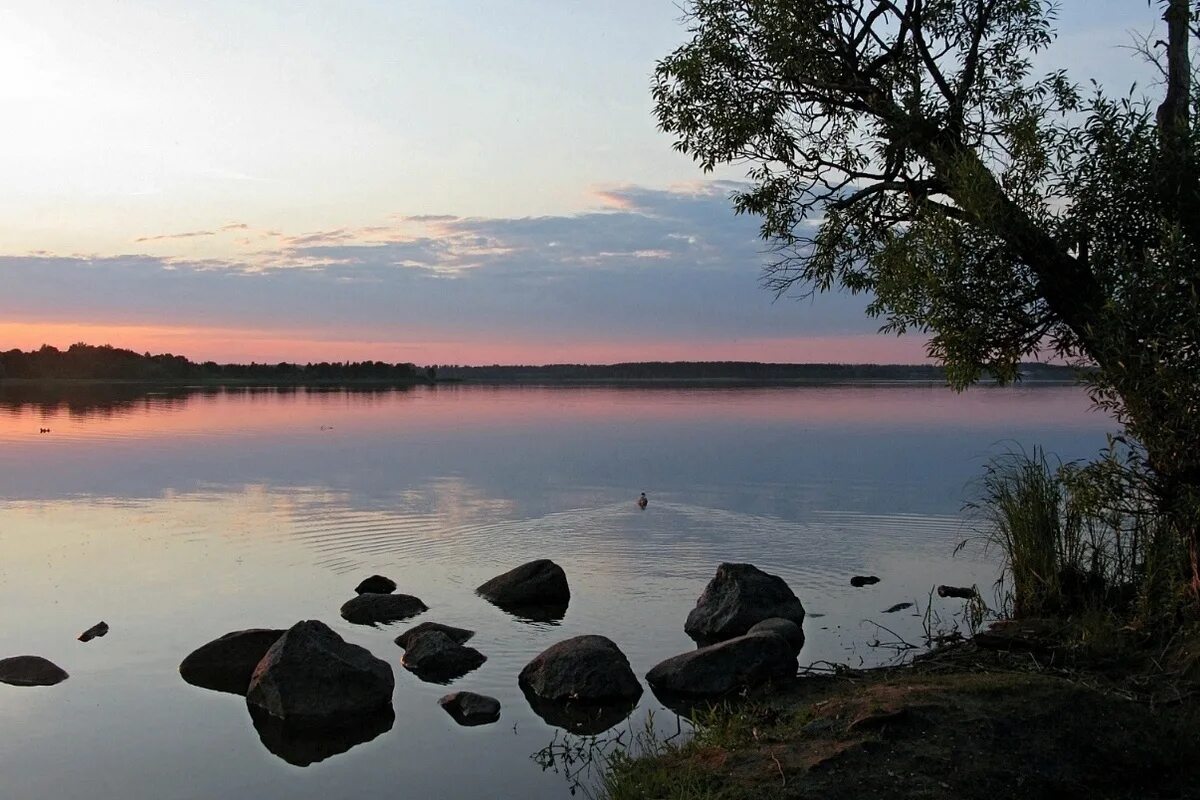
[964,722]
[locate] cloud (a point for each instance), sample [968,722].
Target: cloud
[429,218]
[648,265]
[167,236]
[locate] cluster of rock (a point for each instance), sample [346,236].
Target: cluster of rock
[309,690]
[748,624]
[312,694]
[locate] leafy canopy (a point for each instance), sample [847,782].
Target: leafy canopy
[907,149]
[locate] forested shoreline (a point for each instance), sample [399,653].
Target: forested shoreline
[104,363]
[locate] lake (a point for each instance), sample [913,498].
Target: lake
[176,517]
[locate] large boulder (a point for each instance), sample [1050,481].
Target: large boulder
[226,664]
[469,709]
[30,671]
[435,657]
[459,635]
[376,584]
[313,676]
[588,669]
[792,633]
[745,661]
[373,608]
[538,583]
[738,597]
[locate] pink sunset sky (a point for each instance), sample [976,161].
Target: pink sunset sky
[466,183]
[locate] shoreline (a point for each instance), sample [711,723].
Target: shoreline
[961,722]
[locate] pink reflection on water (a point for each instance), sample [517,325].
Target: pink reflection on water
[271,412]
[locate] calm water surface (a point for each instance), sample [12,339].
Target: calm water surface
[177,518]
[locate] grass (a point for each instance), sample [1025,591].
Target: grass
[963,723]
[1081,538]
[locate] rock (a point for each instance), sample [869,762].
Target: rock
[313,677]
[589,669]
[746,661]
[897,607]
[738,597]
[469,709]
[31,671]
[538,583]
[302,746]
[372,608]
[459,635]
[435,657]
[226,664]
[792,633]
[376,584]
[858,581]
[94,632]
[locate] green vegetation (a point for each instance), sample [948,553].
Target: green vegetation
[107,363]
[907,149]
[1082,538]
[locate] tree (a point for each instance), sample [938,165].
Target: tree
[905,148]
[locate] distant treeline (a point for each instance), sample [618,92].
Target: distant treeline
[107,363]
[724,372]
[88,362]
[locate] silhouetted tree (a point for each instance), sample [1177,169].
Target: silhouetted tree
[906,149]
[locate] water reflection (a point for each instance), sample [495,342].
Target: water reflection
[302,746]
[581,719]
[85,400]
[237,508]
[547,614]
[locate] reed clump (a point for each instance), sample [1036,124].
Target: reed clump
[1081,538]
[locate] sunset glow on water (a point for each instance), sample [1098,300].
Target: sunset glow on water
[176,517]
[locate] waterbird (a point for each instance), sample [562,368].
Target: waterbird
[642,501]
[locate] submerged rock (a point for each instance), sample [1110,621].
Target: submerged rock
[435,657]
[94,632]
[31,671]
[745,661]
[459,635]
[858,581]
[538,583]
[792,633]
[372,609]
[376,584]
[738,597]
[302,746]
[227,663]
[313,677]
[590,669]
[469,709]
